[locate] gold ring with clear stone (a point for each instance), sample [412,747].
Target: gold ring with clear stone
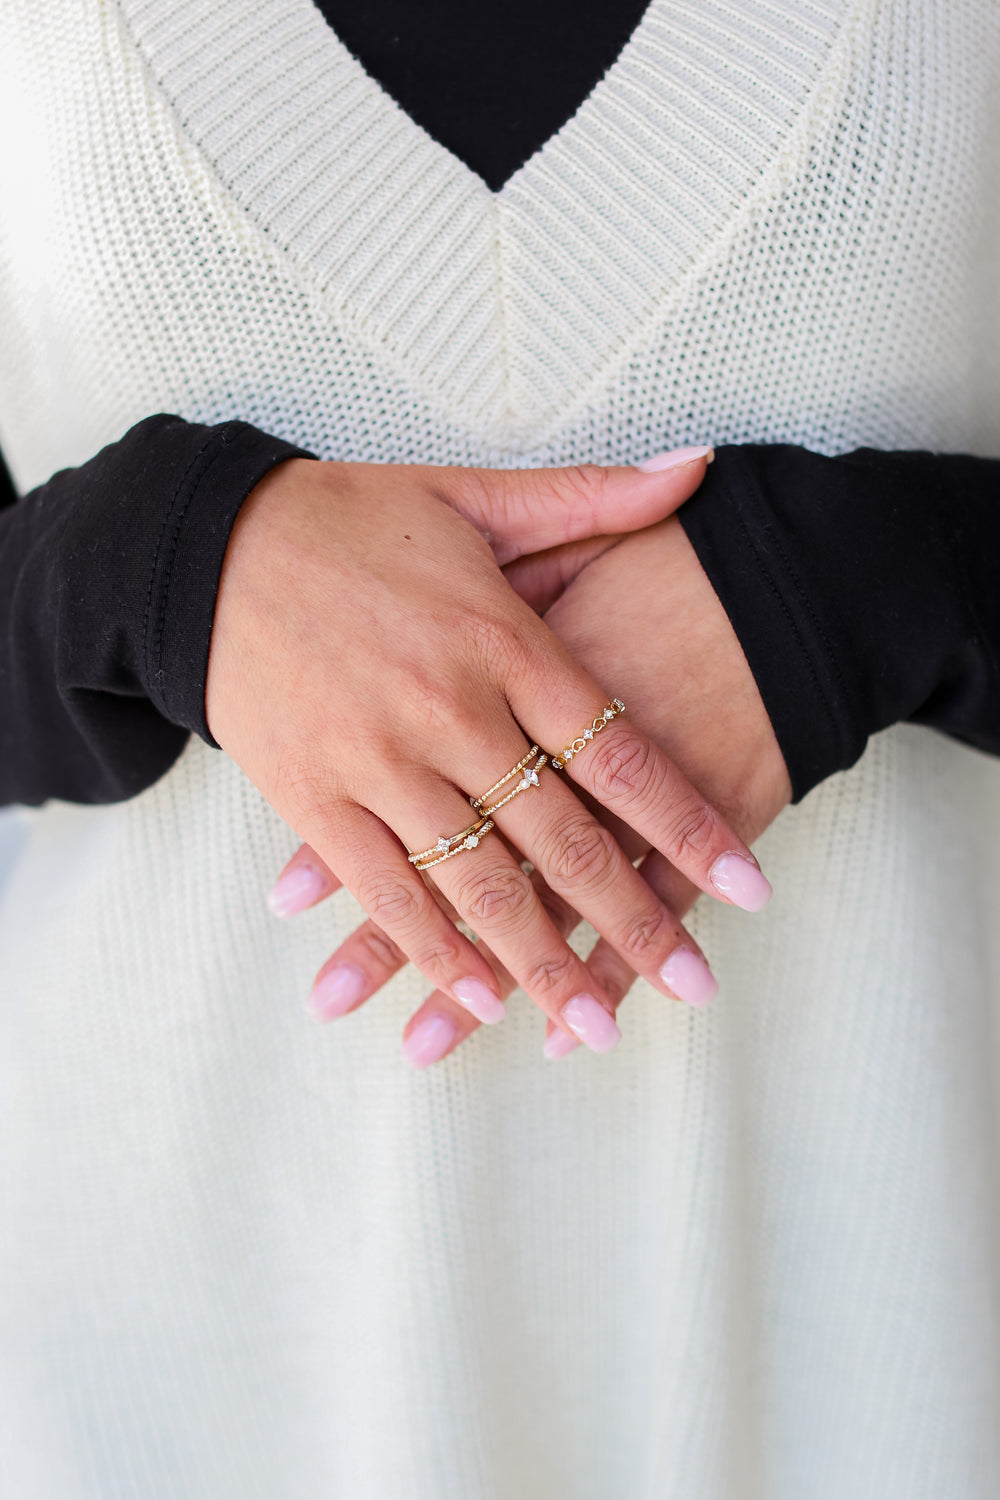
[614,708]
[529,778]
[456,844]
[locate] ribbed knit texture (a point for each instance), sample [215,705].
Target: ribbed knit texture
[750,1255]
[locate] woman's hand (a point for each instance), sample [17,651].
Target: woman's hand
[371,667]
[644,614]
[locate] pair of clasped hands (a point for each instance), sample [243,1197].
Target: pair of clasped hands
[389,640]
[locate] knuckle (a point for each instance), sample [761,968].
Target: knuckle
[492,643]
[456,714]
[585,854]
[551,975]
[624,765]
[438,956]
[692,829]
[644,936]
[496,898]
[586,482]
[431,694]
[391,902]
[301,777]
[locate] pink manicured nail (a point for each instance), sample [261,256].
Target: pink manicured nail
[337,992]
[675,459]
[480,1000]
[689,976]
[735,877]
[559,1044]
[296,889]
[588,1020]
[429,1040]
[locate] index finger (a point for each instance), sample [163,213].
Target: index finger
[566,712]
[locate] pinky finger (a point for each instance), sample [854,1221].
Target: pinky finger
[305,881]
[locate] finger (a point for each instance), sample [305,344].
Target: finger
[622,768]
[564,919]
[492,893]
[530,510]
[541,577]
[609,968]
[375,869]
[371,958]
[582,862]
[305,880]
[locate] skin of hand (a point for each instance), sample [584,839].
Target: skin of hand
[371,668]
[643,615]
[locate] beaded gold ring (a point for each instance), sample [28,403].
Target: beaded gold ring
[575,747]
[529,778]
[478,801]
[456,844]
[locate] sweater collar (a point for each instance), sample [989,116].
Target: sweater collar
[506,310]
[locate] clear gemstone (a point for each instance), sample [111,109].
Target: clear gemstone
[472,841]
[441,844]
[531,778]
[588,734]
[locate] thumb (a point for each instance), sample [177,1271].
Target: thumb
[530,510]
[541,577]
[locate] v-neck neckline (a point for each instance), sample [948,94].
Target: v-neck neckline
[503,309]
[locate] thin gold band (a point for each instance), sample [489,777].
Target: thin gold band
[529,778]
[457,844]
[575,747]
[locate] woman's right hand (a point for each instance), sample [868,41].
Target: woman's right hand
[371,668]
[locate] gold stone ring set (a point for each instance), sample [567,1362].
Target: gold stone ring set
[469,838]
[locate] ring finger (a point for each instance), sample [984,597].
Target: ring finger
[488,888]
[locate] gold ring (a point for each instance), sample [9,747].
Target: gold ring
[614,708]
[529,778]
[445,847]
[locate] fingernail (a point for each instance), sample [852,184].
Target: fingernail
[689,976]
[296,889]
[429,1040]
[559,1044]
[588,1020]
[737,878]
[675,459]
[337,992]
[479,1000]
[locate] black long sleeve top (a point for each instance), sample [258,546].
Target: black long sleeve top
[864,589]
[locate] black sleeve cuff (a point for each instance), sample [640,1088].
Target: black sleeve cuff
[108,581]
[864,590]
[187,564]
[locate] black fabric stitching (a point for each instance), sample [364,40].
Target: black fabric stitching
[218,435]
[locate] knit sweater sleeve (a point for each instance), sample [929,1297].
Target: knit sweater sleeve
[108,580]
[864,589]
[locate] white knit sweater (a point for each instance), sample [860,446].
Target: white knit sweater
[750,1255]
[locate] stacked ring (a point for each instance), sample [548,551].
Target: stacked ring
[529,778]
[455,843]
[478,801]
[446,847]
[614,708]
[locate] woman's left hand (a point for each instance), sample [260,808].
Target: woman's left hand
[643,615]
